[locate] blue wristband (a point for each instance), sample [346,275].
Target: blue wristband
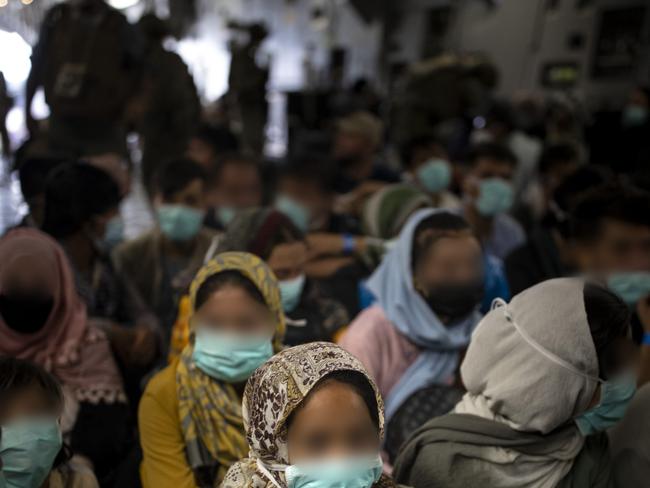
[348,244]
[646,339]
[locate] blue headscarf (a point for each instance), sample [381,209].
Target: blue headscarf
[392,285]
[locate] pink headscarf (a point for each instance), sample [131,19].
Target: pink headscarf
[77,354]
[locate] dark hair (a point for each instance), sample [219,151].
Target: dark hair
[75,193]
[17,375]
[491,150]
[614,201]
[281,231]
[312,169]
[177,174]
[609,319]
[359,384]
[557,155]
[430,230]
[33,173]
[408,149]
[220,138]
[503,113]
[153,27]
[224,279]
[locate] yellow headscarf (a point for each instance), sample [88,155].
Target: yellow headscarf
[210,411]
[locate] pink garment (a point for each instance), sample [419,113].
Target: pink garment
[78,355]
[384,352]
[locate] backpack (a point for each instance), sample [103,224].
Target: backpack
[86,73]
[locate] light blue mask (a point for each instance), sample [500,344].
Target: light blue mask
[298,213]
[434,175]
[114,232]
[634,116]
[291,292]
[226,215]
[179,223]
[230,357]
[28,449]
[615,396]
[362,472]
[495,196]
[631,287]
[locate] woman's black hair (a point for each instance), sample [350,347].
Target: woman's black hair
[17,375]
[609,319]
[430,230]
[75,193]
[226,278]
[359,384]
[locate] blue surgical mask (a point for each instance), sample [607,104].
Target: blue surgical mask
[291,292]
[114,234]
[28,449]
[434,175]
[179,223]
[634,116]
[226,215]
[495,196]
[615,396]
[230,357]
[360,472]
[631,287]
[298,213]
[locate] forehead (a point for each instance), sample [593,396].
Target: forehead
[234,169]
[488,164]
[616,229]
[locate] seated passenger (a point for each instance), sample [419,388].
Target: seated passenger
[313,417]
[43,320]
[190,417]
[546,375]
[428,290]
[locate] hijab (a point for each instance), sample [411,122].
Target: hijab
[210,411]
[532,365]
[393,286]
[77,354]
[255,230]
[385,213]
[275,391]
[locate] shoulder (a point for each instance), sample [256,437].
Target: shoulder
[134,246]
[162,386]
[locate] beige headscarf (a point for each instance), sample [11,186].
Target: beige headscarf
[532,364]
[272,394]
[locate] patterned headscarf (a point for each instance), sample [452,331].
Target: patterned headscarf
[385,213]
[210,411]
[273,392]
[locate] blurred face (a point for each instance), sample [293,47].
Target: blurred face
[29,275]
[193,195]
[621,247]
[288,260]
[557,175]
[349,145]
[239,186]
[311,196]
[423,153]
[232,309]
[28,403]
[639,99]
[333,422]
[483,169]
[203,153]
[451,260]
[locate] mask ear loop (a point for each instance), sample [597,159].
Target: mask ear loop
[500,303]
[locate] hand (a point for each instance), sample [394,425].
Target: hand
[643,310]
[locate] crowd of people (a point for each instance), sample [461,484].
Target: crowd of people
[464,307]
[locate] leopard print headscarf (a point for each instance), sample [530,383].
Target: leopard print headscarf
[272,394]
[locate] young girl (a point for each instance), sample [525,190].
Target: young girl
[312,415]
[32,454]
